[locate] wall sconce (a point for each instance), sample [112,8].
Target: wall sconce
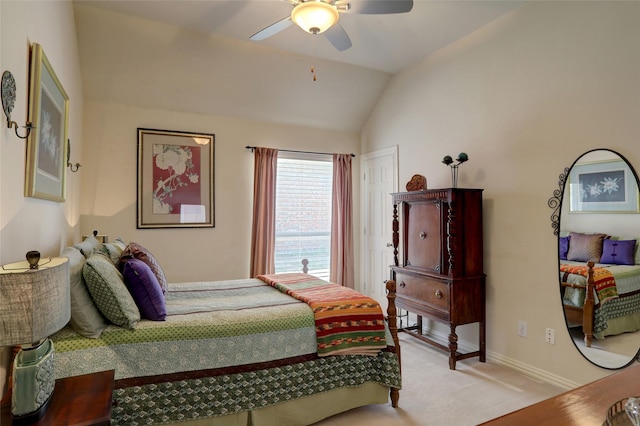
[8,100]
[73,167]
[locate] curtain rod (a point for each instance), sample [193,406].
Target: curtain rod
[253,148]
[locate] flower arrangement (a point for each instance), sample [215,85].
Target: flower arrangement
[447,160]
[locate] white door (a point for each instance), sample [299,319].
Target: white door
[379,180]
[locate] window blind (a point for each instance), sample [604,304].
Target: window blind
[303,214]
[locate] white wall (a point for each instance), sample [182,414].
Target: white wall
[524,97]
[29,223]
[140,73]
[222,252]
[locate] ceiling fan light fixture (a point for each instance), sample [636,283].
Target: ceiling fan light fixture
[315,16]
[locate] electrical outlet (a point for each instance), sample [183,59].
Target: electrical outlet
[522,328]
[550,336]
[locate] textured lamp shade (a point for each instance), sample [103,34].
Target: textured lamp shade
[315,17]
[34,303]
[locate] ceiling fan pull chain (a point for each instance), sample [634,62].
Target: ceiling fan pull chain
[314,46]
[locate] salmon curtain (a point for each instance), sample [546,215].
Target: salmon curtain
[263,233]
[342,269]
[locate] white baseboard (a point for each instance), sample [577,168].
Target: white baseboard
[533,372]
[526,369]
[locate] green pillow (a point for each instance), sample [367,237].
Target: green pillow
[86,319]
[109,292]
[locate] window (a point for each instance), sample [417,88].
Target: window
[303,213]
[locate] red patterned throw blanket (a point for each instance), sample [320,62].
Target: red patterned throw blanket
[604,282]
[347,322]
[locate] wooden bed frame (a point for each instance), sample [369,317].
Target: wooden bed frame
[392,319]
[583,316]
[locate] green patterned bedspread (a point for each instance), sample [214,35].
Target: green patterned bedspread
[626,304]
[210,330]
[193,399]
[245,322]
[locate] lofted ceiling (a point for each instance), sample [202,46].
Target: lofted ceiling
[382,46]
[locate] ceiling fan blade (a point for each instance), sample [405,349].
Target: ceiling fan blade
[379,7]
[338,37]
[272,29]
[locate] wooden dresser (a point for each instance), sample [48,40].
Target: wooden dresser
[441,274]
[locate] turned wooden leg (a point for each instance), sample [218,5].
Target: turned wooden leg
[453,347]
[395,397]
[588,317]
[392,318]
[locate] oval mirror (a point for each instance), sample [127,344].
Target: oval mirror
[598,236]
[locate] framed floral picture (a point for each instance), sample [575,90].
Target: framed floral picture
[175,179]
[46,171]
[603,187]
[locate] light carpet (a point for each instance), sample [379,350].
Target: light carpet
[610,352]
[434,395]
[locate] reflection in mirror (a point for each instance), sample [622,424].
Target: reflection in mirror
[599,222]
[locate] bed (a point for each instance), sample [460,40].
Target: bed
[236,352]
[600,284]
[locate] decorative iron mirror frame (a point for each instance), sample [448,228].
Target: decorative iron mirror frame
[555,203]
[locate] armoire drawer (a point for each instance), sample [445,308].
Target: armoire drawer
[430,291]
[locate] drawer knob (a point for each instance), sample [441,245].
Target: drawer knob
[402,284]
[439,294]
[422,235]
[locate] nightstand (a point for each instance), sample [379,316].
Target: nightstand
[80,400]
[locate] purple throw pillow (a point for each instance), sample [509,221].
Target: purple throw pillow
[564,247]
[145,289]
[135,250]
[618,252]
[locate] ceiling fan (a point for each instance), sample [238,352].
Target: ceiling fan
[321,16]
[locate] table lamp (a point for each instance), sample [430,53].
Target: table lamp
[34,303]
